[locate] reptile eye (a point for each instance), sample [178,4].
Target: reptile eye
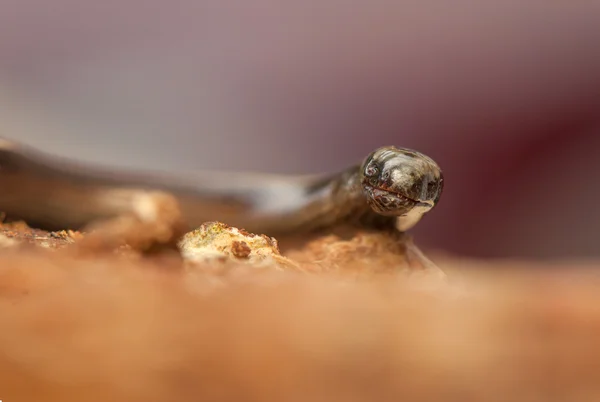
[372,170]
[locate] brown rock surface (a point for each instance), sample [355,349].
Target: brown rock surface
[349,321]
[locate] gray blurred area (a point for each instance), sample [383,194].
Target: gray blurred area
[505,95]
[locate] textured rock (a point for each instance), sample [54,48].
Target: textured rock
[217,241]
[7,242]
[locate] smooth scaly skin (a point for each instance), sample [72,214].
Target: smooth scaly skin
[392,187]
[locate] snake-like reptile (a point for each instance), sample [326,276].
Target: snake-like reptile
[392,187]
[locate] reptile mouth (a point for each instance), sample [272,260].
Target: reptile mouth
[390,202]
[387,202]
[379,191]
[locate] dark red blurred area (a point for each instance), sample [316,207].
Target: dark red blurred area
[504,95]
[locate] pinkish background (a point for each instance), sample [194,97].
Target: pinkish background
[505,95]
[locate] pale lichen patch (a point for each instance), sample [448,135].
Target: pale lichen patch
[6,242]
[217,241]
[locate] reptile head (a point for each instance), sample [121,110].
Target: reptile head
[401,182]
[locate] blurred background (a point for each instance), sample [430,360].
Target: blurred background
[504,95]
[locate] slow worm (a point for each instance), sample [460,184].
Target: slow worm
[392,187]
